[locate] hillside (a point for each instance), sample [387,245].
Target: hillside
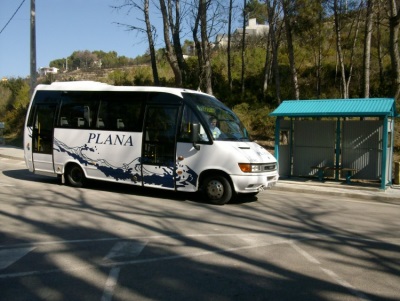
[259,124]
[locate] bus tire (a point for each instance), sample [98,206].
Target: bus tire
[74,175]
[217,189]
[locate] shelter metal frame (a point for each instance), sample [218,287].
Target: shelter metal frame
[382,108]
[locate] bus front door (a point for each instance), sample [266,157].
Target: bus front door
[42,138]
[159,143]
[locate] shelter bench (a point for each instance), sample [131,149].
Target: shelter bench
[322,169]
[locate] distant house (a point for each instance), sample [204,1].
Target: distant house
[43,71]
[252,29]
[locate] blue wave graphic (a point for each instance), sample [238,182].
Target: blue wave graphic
[130,171]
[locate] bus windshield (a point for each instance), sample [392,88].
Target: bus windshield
[223,124]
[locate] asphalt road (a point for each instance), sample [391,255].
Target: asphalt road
[115,242]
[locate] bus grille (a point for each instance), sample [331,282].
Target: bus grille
[270,167]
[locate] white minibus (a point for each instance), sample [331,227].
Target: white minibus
[166,138]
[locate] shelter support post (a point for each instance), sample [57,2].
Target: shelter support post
[384,153]
[291,146]
[337,149]
[277,133]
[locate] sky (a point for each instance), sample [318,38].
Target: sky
[62,27]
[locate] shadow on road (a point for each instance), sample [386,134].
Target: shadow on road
[26,175]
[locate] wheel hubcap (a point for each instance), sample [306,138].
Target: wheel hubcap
[215,189]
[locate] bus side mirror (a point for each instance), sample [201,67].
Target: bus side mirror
[195,135]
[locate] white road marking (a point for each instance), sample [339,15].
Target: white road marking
[293,236]
[140,261]
[110,284]
[330,273]
[305,254]
[125,249]
[120,249]
[112,280]
[345,284]
[198,254]
[9,256]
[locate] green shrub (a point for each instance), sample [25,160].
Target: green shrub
[257,120]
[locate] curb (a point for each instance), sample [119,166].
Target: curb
[11,157]
[8,152]
[390,199]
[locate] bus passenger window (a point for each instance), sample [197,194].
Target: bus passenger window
[78,110]
[121,111]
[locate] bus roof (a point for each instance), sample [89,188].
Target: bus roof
[98,86]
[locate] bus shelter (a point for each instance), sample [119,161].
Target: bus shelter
[341,138]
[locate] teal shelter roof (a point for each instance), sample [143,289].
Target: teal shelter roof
[352,107]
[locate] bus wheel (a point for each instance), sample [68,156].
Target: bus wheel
[217,189]
[74,175]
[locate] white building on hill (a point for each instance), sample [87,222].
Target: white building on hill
[43,71]
[252,29]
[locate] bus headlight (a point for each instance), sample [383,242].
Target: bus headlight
[247,167]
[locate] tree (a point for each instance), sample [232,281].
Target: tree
[206,46]
[82,59]
[229,45]
[341,11]
[245,16]
[17,91]
[175,26]
[287,16]
[367,47]
[203,47]
[59,63]
[149,30]
[257,10]
[173,52]
[253,9]
[308,28]
[379,20]
[338,31]
[273,7]
[394,26]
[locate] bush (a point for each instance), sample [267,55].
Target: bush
[14,95]
[257,120]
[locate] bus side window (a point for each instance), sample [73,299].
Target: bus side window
[78,110]
[121,111]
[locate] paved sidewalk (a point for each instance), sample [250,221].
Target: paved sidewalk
[359,190]
[11,152]
[365,191]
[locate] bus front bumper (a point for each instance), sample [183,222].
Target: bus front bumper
[254,182]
